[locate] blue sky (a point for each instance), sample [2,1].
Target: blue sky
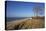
[21,9]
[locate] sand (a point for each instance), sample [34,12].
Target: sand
[27,23]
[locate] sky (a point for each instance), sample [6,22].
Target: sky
[21,9]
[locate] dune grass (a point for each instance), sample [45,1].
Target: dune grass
[28,24]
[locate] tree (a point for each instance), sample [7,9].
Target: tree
[38,10]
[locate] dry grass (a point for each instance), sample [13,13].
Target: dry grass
[28,24]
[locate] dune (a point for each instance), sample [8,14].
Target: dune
[27,23]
